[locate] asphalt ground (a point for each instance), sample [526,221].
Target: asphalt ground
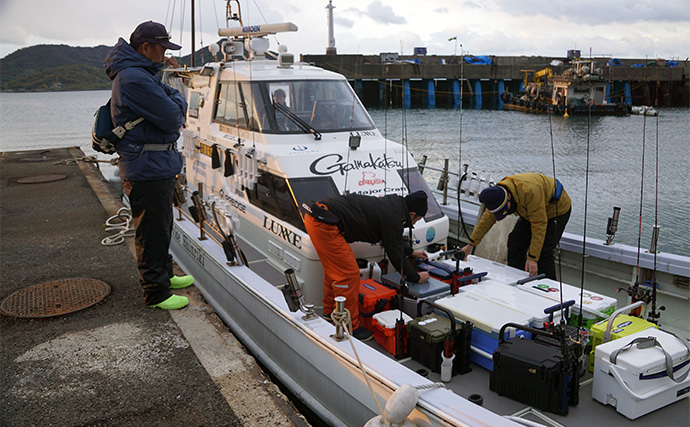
[117,362]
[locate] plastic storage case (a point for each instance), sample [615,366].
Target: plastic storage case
[427,337]
[487,317]
[384,329]
[637,383]
[373,298]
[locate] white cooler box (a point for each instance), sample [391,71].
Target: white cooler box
[496,270]
[511,297]
[487,318]
[637,383]
[592,302]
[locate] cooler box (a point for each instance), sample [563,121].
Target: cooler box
[373,298]
[510,296]
[637,383]
[437,270]
[487,318]
[592,302]
[430,291]
[427,335]
[624,326]
[384,329]
[497,271]
[531,373]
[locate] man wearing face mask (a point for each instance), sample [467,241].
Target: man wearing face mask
[149,160]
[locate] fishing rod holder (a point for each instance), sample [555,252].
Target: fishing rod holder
[198,210]
[612,225]
[179,198]
[294,298]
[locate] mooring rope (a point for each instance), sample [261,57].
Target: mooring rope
[120,222]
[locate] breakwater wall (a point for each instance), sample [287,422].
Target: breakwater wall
[445,81]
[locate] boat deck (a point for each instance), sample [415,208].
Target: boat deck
[588,413]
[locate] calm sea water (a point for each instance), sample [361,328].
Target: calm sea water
[499,142]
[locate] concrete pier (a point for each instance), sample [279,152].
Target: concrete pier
[635,81]
[117,362]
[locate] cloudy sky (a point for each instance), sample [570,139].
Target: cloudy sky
[620,28]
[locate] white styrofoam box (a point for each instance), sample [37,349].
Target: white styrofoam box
[637,384]
[510,296]
[592,302]
[484,314]
[496,271]
[388,318]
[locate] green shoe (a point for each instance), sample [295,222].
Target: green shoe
[172,303]
[179,282]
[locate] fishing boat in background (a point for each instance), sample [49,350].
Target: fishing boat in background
[580,89]
[251,161]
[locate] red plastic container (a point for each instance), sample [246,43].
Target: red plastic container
[384,329]
[373,298]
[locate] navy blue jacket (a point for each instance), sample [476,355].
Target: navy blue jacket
[138,92]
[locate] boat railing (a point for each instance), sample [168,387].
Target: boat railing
[466,185]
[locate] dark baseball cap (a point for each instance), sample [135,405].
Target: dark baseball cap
[152,32]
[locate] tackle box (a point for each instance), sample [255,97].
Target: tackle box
[636,382]
[384,329]
[623,326]
[429,291]
[533,373]
[510,296]
[592,302]
[374,298]
[487,317]
[426,341]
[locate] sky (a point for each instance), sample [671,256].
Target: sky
[617,28]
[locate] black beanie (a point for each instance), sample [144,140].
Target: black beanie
[495,199]
[416,202]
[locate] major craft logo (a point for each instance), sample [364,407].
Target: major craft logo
[369,178]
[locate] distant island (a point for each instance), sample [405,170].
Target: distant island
[57,68]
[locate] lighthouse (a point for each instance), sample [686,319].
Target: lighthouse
[330,50]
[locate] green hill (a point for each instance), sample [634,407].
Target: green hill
[54,67]
[60,67]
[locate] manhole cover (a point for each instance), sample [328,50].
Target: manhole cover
[54,298]
[40,178]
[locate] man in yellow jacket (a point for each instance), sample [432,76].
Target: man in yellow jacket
[544,209]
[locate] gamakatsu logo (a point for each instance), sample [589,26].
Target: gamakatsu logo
[333,163]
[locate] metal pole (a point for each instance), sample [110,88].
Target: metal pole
[193,43]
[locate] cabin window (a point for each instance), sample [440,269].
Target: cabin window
[194,101]
[415,182]
[312,190]
[228,109]
[272,194]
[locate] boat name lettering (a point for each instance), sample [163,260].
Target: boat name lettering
[283,232]
[332,163]
[369,178]
[234,203]
[365,133]
[193,249]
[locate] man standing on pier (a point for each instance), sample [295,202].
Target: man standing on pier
[544,209]
[149,160]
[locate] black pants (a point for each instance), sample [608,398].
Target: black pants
[520,238]
[152,215]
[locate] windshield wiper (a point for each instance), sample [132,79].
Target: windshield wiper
[304,126]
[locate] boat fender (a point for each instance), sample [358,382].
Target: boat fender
[398,407]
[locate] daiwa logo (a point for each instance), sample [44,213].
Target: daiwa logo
[369,178]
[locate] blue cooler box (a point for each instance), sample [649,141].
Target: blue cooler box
[429,291]
[487,317]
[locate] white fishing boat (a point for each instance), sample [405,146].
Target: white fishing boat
[250,163]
